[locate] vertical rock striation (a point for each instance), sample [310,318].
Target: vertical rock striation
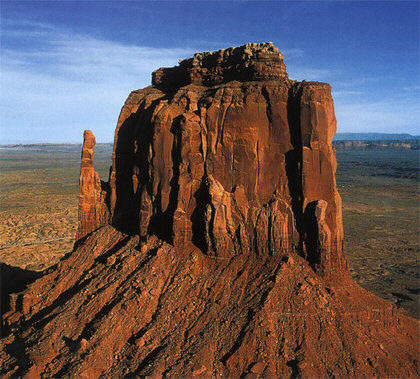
[209,161]
[217,249]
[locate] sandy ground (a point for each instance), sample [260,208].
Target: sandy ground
[38,218]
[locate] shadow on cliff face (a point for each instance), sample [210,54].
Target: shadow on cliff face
[310,224]
[125,206]
[293,160]
[162,221]
[133,160]
[198,217]
[14,280]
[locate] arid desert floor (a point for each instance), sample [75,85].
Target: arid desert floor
[38,205]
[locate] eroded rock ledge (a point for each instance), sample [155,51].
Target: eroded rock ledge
[251,62]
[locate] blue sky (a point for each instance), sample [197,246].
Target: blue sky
[67,66]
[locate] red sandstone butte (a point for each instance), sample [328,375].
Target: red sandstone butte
[222,254]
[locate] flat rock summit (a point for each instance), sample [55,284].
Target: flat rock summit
[216,247]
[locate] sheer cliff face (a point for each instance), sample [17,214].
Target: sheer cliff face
[231,165]
[216,248]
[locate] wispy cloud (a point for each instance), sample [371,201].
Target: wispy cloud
[412,88]
[56,83]
[21,23]
[62,82]
[343,93]
[70,78]
[360,107]
[73,55]
[358,81]
[381,116]
[293,53]
[308,73]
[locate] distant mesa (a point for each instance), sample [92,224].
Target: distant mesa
[216,247]
[377,145]
[376,141]
[374,137]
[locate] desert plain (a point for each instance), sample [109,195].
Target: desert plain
[379,189]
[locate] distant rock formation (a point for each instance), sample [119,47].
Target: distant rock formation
[381,137]
[413,144]
[222,254]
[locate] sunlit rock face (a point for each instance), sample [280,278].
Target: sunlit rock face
[209,163]
[216,248]
[93,211]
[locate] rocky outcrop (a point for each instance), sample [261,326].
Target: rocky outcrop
[178,155]
[244,64]
[223,254]
[93,211]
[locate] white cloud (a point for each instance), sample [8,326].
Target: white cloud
[63,83]
[292,53]
[69,82]
[412,88]
[358,110]
[343,93]
[382,116]
[30,23]
[311,74]
[358,81]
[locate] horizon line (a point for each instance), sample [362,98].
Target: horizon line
[11,143]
